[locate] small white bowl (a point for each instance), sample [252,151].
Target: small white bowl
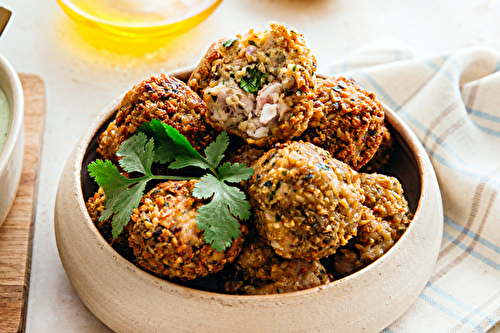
[128,299]
[11,155]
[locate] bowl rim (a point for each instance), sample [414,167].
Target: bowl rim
[406,134]
[16,106]
[92,18]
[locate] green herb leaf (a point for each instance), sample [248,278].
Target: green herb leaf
[215,151]
[234,173]
[137,153]
[217,219]
[125,204]
[253,80]
[165,151]
[119,202]
[230,42]
[172,146]
[251,42]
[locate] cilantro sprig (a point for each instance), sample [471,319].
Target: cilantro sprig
[159,142]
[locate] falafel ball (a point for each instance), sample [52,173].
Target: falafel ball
[348,121]
[165,238]
[95,207]
[165,98]
[385,218]
[258,86]
[383,154]
[306,203]
[246,154]
[259,271]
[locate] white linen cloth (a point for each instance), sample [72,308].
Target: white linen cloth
[452,103]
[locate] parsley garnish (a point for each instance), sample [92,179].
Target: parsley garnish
[253,80]
[230,42]
[159,142]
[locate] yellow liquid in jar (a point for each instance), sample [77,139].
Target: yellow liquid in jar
[139,19]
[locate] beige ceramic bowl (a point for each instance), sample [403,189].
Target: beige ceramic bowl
[11,156]
[128,299]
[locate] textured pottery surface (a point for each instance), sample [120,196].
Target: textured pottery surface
[11,156]
[128,299]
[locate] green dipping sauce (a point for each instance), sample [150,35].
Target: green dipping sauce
[4,119]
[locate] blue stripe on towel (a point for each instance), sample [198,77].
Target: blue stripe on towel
[450,313]
[471,234]
[485,260]
[459,303]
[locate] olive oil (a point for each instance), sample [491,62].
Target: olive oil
[139,19]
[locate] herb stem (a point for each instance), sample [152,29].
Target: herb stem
[172,177]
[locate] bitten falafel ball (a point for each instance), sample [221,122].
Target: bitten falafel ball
[165,238]
[348,121]
[259,271]
[385,218]
[306,203]
[95,207]
[165,98]
[258,86]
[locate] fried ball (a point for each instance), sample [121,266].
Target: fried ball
[305,202]
[385,218]
[164,98]
[165,238]
[259,271]
[383,154]
[200,78]
[95,207]
[246,154]
[258,86]
[348,121]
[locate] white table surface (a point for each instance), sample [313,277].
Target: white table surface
[80,80]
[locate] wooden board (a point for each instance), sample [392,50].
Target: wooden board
[16,233]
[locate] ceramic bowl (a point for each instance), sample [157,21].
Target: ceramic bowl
[128,299]
[11,155]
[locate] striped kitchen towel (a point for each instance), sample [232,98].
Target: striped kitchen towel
[451,101]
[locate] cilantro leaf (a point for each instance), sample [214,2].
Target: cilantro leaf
[206,187]
[137,153]
[217,219]
[125,204]
[115,186]
[166,150]
[215,151]
[106,174]
[253,80]
[172,146]
[234,173]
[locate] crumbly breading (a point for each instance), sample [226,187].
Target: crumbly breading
[347,121]
[385,218]
[259,271]
[383,154]
[306,203]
